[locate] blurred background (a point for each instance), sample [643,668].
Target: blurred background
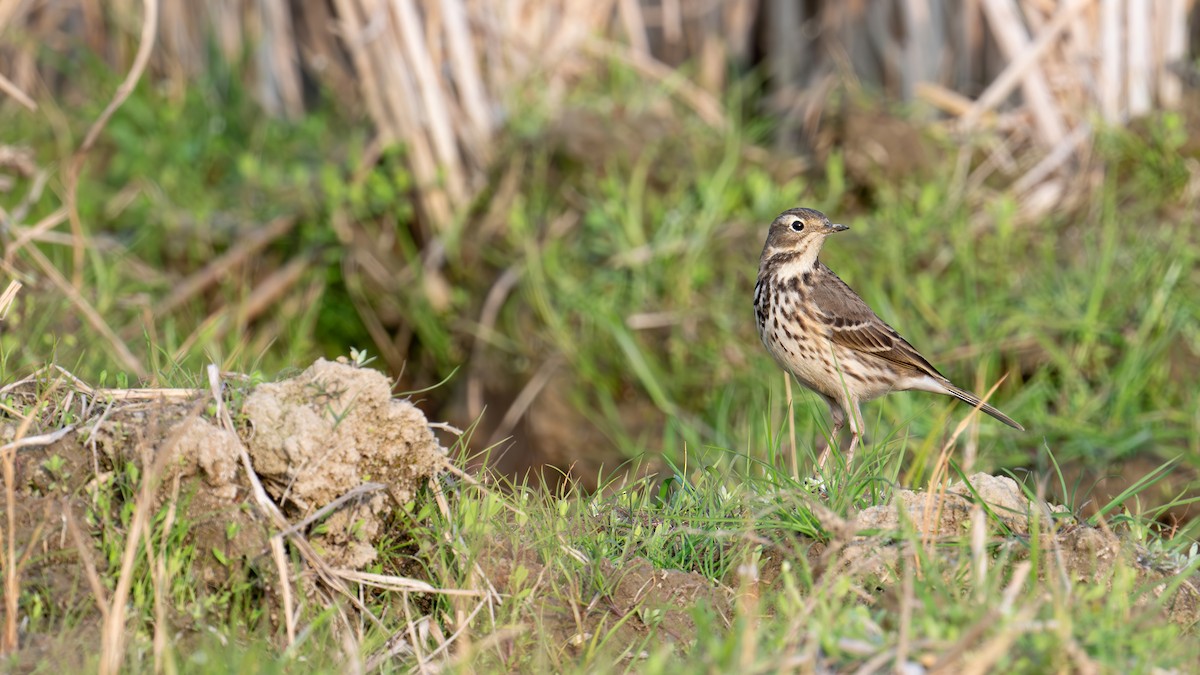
[545,216]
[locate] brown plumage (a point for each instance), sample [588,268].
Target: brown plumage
[821,332]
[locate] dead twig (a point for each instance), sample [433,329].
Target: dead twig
[356,493]
[145,47]
[37,441]
[8,298]
[247,247]
[15,92]
[99,593]
[486,333]
[128,360]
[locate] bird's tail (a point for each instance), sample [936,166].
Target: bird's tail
[973,400]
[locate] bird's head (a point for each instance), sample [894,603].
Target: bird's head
[800,231]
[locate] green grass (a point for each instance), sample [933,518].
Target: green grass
[716,524]
[635,261]
[754,556]
[1085,311]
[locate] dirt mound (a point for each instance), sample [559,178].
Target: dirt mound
[989,509]
[949,514]
[330,430]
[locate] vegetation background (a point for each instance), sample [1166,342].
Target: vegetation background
[545,217]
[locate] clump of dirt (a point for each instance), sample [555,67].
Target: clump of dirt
[223,527]
[949,514]
[195,447]
[1086,554]
[329,430]
[311,440]
[204,449]
[942,516]
[88,476]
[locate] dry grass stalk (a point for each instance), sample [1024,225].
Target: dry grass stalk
[1110,80]
[146,44]
[9,297]
[36,232]
[403,584]
[281,93]
[706,106]
[12,583]
[1137,54]
[791,421]
[98,323]
[223,265]
[634,25]
[160,578]
[7,87]
[87,560]
[262,298]
[939,479]
[486,334]
[438,76]
[279,556]
[1173,23]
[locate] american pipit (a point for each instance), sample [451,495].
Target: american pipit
[821,332]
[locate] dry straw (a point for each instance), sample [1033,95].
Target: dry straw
[440,76]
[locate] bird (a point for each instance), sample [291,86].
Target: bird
[819,330]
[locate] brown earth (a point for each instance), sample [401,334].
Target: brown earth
[633,598]
[872,545]
[630,597]
[311,439]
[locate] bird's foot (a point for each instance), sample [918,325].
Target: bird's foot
[853,447]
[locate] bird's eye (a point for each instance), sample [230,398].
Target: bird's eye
[797,225]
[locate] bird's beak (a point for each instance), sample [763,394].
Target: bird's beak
[838,227]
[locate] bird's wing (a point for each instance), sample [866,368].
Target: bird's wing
[852,324]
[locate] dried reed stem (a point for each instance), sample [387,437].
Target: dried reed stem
[1004,20]
[1016,71]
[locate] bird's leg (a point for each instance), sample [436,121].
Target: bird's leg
[839,420]
[856,429]
[829,446]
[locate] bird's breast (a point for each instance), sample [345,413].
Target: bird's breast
[787,329]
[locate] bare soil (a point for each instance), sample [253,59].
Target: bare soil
[634,598]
